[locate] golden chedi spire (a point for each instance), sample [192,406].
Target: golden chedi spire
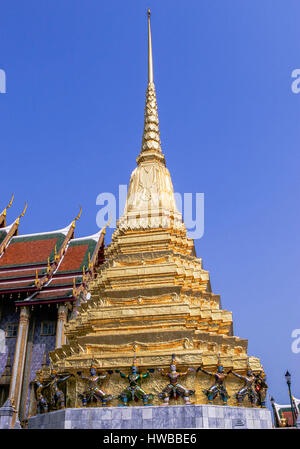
[151,144]
[150,200]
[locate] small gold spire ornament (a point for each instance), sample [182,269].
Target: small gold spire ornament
[77,218]
[55,254]
[22,214]
[106,225]
[150,59]
[36,278]
[9,205]
[90,264]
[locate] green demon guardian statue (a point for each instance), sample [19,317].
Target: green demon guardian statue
[134,392]
[218,388]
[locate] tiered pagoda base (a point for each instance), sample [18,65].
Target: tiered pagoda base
[155,417]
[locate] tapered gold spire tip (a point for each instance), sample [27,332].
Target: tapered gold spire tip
[150,62]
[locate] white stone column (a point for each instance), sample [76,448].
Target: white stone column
[19,358]
[60,327]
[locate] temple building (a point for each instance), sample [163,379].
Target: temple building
[152,297]
[283,414]
[43,279]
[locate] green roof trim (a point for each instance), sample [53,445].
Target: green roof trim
[3,234]
[19,278]
[286,409]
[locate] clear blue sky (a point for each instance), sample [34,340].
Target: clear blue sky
[71,125]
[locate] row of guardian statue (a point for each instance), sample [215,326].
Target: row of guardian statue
[254,387]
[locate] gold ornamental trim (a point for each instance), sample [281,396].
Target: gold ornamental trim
[185,342]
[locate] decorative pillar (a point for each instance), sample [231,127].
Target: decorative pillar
[60,328]
[19,358]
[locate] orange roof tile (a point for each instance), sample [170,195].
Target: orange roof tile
[73,258]
[26,252]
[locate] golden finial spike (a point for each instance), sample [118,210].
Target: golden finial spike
[77,218]
[48,267]
[36,277]
[56,256]
[150,60]
[9,205]
[22,214]
[107,224]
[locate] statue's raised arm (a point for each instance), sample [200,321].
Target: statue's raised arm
[205,371]
[238,375]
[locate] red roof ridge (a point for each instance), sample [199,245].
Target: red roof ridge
[95,236]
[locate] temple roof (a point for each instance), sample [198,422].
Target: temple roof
[47,266]
[285,411]
[33,249]
[74,270]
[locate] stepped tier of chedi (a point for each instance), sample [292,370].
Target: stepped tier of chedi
[152,297]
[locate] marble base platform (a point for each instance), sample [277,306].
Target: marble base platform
[7,418]
[155,417]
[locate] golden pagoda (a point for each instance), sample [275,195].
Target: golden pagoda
[152,298]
